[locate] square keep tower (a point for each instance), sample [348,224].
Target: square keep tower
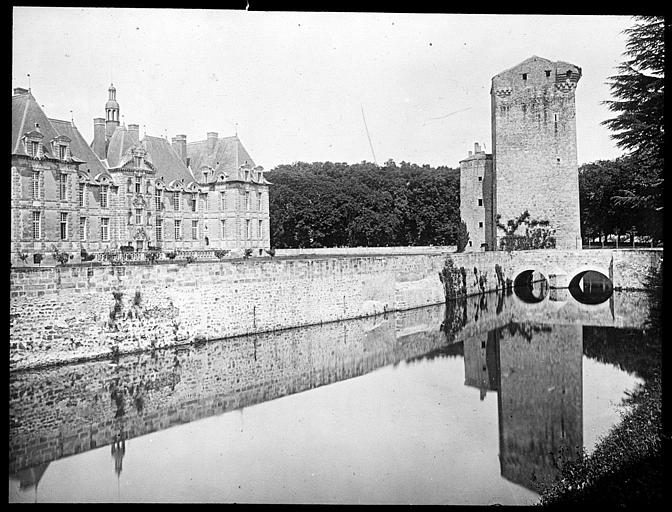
[534,146]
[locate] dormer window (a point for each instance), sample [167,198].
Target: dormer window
[138,184]
[33,148]
[62,151]
[569,73]
[137,162]
[247,175]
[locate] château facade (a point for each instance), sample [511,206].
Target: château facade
[126,190]
[533,165]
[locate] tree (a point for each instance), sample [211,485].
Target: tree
[639,91]
[462,236]
[538,234]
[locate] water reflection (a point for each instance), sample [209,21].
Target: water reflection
[591,287]
[532,368]
[531,286]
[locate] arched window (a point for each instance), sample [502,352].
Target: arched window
[569,73]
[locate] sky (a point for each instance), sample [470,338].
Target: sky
[302,86]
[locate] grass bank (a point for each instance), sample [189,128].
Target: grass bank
[626,468]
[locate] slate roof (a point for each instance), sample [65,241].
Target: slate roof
[25,113]
[166,161]
[121,140]
[78,146]
[228,155]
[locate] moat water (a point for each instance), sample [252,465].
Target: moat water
[475,402]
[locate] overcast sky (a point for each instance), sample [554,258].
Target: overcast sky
[294,84]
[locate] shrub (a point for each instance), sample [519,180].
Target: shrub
[462,236]
[248,253]
[190,259]
[61,257]
[171,255]
[152,256]
[538,234]
[126,248]
[271,252]
[23,256]
[221,253]
[37,257]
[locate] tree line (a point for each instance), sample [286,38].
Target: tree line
[325,204]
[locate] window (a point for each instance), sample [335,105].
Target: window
[82,193]
[524,76]
[223,223]
[557,160]
[194,230]
[158,199]
[147,187]
[469,243]
[159,230]
[569,73]
[261,229]
[480,202]
[555,122]
[64,226]
[33,148]
[62,186]
[138,185]
[194,204]
[82,228]
[222,200]
[105,229]
[260,203]
[176,201]
[137,162]
[178,230]
[248,228]
[480,178]
[138,216]
[36,185]
[548,73]
[62,151]
[103,196]
[480,224]
[247,175]
[37,225]
[247,201]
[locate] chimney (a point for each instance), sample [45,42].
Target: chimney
[180,146]
[470,153]
[134,132]
[20,90]
[99,137]
[477,148]
[212,141]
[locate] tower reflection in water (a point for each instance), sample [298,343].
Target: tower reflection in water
[536,371]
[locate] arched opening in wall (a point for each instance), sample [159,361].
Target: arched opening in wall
[530,286]
[591,287]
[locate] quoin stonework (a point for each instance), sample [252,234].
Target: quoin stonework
[533,165]
[124,190]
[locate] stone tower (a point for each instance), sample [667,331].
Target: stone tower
[534,146]
[476,199]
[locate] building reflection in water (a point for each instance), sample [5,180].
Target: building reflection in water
[537,372]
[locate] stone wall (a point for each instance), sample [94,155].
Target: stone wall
[75,313]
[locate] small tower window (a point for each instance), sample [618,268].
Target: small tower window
[548,73]
[480,202]
[480,224]
[557,160]
[524,76]
[569,73]
[480,178]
